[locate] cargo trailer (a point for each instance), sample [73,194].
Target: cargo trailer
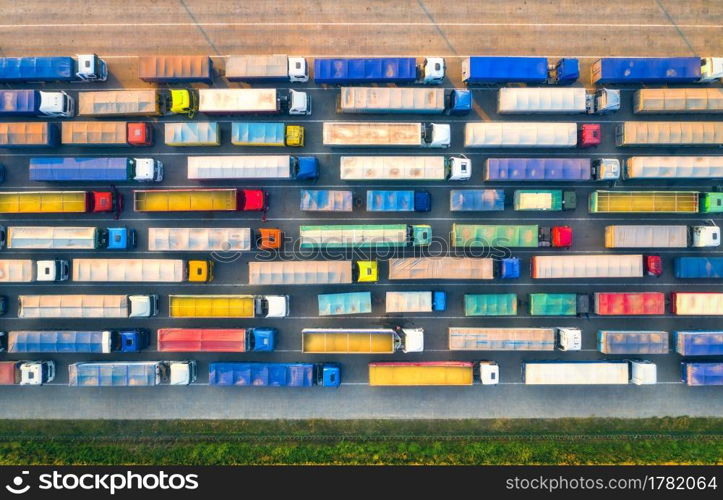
[698,267]
[266,134]
[198,200]
[553,200]
[404,100]
[82,68]
[398,201]
[640,202]
[142,270]
[98,169]
[326,200]
[632,342]
[594,266]
[389,134]
[28,134]
[216,339]
[274,374]
[252,167]
[519,100]
[553,304]
[695,374]
[408,302]
[74,341]
[131,373]
[26,372]
[517,236]
[336,304]
[87,306]
[228,306]
[655,70]
[589,372]
[276,67]
[630,236]
[674,167]
[365,236]
[69,238]
[110,103]
[55,104]
[520,134]
[640,133]
[703,100]
[697,303]
[192,239]
[109,134]
[175,69]
[425,373]
[253,101]
[514,339]
[476,200]
[46,202]
[490,304]
[342,71]
[361,340]
[504,69]
[192,134]
[442,268]
[29,271]
[698,342]
[303,272]
[551,169]
[629,303]
[404,168]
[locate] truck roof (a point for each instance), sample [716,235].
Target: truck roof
[501,339]
[211,306]
[171,69]
[477,235]
[632,342]
[465,268]
[202,339]
[96,132]
[672,133]
[129,270]
[300,272]
[257,67]
[520,134]
[538,169]
[372,134]
[575,372]
[693,100]
[73,306]
[421,373]
[359,168]
[262,374]
[238,100]
[380,99]
[51,237]
[19,134]
[587,266]
[348,341]
[541,100]
[192,134]
[331,304]
[629,303]
[226,239]
[119,102]
[239,167]
[667,167]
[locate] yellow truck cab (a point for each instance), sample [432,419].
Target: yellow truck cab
[184,102]
[368,271]
[295,136]
[200,271]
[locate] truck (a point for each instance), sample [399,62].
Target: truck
[228,306]
[516,236]
[405,168]
[490,304]
[601,202]
[326,200]
[274,374]
[216,339]
[275,67]
[521,100]
[311,272]
[28,135]
[503,69]
[386,134]
[253,101]
[520,134]
[514,339]
[336,304]
[110,134]
[452,268]
[629,303]
[697,303]
[131,373]
[404,100]
[46,202]
[76,341]
[656,70]
[589,372]
[431,373]
[404,302]
[631,236]
[199,200]
[27,271]
[253,167]
[276,134]
[674,167]
[632,342]
[551,169]
[175,69]
[192,239]
[398,201]
[82,68]
[365,236]
[142,270]
[54,104]
[361,340]
[111,103]
[639,133]
[698,342]
[703,100]
[697,373]
[554,304]
[595,266]
[87,306]
[70,238]
[554,200]
[342,71]
[476,200]
[26,372]
[698,267]
[192,134]
[95,169]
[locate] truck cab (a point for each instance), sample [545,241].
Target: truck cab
[705,236]
[105,201]
[508,269]
[53,270]
[261,339]
[182,372]
[606,169]
[183,102]
[253,200]
[460,168]
[367,271]
[119,238]
[602,101]
[36,372]
[131,340]
[555,237]
[433,70]
[272,306]
[436,135]
[147,170]
[489,373]
[56,104]
[298,70]
[569,339]
[269,238]
[305,167]
[143,306]
[457,101]
[200,271]
[299,103]
[642,372]
[140,134]
[91,68]
[711,69]
[653,265]
[412,340]
[328,374]
[589,135]
[422,201]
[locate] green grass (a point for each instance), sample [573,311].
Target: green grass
[559,441]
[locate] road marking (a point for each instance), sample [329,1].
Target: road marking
[356,23]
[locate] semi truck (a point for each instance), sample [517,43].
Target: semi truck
[75,341]
[589,372]
[490,304]
[27,271]
[175,69]
[199,200]
[82,68]
[629,303]
[398,201]
[503,69]
[326,200]
[188,134]
[26,372]
[131,373]
[192,239]
[46,202]
[431,373]
[98,169]
[404,100]
[514,339]
[632,342]
[601,202]
[405,168]
[517,236]
[551,169]
[228,306]
[703,100]
[451,268]
[342,71]
[275,67]
[656,70]
[520,135]
[55,104]
[361,340]
[519,100]
[337,304]
[311,272]
[389,134]
[142,270]
[110,134]
[87,306]
[697,303]
[698,267]
[476,200]
[630,236]
[216,339]
[70,238]
[696,373]
[595,266]
[111,103]
[274,374]
[640,133]
[674,167]
[406,302]
[28,135]
[289,167]
[698,342]
[253,101]
[554,200]
[365,236]
[266,134]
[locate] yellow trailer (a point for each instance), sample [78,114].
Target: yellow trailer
[644,202]
[211,306]
[423,373]
[361,341]
[33,202]
[185,200]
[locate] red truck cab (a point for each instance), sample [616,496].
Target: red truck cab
[590,135]
[654,265]
[255,200]
[140,134]
[104,201]
[561,236]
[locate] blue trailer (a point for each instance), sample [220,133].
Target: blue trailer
[326,200]
[86,68]
[131,373]
[477,200]
[47,341]
[702,373]
[538,169]
[646,70]
[698,342]
[275,374]
[365,70]
[698,267]
[333,304]
[398,201]
[496,70]
[35,103]
[99,169]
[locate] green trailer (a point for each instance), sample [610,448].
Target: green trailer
[552,200]
[476,235]
[553,304]
[711,203]
[492,304]
[365,236]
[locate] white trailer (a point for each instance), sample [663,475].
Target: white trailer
[587,266]
[267,67]
[674,100]
[404,168]
[298,272]
[632,236]
[387,99]
[404,302]
[589,372]
[268,101]
[569,100]
[674,167]
[198,239]
[438,268]
[87,306]
[16,271]
[240,167]
[520,134]
[130,270]
[52,238]
[390,134]
[514,339]
[669,133]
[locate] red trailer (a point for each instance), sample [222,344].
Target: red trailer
[629,303]
[216,339]
[9,374]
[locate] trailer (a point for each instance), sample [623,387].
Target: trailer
[592,266]
[198,200]
[29,271]
[26,372]
[398,201]
[342,71]
[504,69]
[511,236]
[639,133]
[703,100]
[274,374]
[87,306]
[698,342]
[674,167]
[630,236]
[55,104]
[361,340]
[253,101]
[698,267]
[82,68]
[110,134]
[28,135]
[142,270]
[131,373]
[404,100]
[192,239]
[365,236]
[639,202]
[490,304]
[696,374]
[697,303]
[476,200]
[266,134]
[649,70]
[326,200]
[519,100]
[425,373]
[404,168]
[336,304]
[553,200]
[629,303]
[203,168]
[632,342]
[514,339]
[228,306]
[441,268]
[175,69]
[46,202]
[74,341]
[589,372]
[302,272]
[389,134]
[95,169]
[69,238]
[553,304]
[407,302]
[276,67]
[551,169]
[216,339]
[192,134]
[110,103]
[520,134]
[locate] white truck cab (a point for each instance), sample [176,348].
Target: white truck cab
[606,169]
[489,373]
[143,306]
[148,170]
[57,104]
[182,372]
[277,306]
[437,135]
[711,69]
[299,103]
[298,69]
[434,69]
[569,339]
[643,372]
[52,270]
[413,340]
[705,236]
[602,101]
[460,168]
[91,68]
[37,372]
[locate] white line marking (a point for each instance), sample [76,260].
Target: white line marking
[371,24]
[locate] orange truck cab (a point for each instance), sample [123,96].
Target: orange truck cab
[269,239]
[140,134]
[200,271]
[253,200]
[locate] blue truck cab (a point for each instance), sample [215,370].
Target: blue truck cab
[509,268]
[262,339]
[329,374]
[307,168]
[120,238]
[458,101]
[439,301]
[131,340]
